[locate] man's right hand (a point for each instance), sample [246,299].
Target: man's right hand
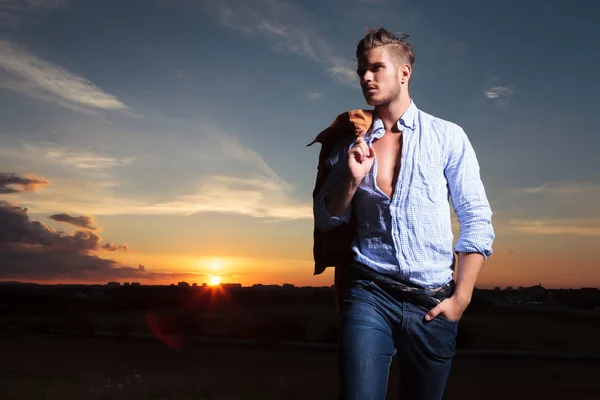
[360,161]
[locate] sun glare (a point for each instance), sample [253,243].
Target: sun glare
[215,280]
[216,263]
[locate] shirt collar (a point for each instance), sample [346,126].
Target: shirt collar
[406,121]
[409,118]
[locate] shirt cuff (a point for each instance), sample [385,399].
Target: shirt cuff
[469,247]
[326,221]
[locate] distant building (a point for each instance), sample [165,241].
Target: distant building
[183,284]
[135,284]
[231,285]
[113,284]
[537,293]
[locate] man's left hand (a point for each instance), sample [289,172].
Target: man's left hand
[451,308]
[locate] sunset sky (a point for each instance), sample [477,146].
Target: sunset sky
[160,141]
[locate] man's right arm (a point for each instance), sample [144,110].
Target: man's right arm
[333,205]
[333,208]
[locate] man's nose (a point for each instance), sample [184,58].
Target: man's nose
[367,77]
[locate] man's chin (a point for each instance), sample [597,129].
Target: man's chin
[372,101]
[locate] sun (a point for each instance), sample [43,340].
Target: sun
[215,280]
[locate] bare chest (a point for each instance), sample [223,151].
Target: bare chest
[388,151]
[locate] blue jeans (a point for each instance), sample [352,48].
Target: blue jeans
[379,323]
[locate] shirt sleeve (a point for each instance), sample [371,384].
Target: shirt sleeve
[469,197]
[324,220]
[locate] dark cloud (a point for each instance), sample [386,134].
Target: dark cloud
[82,221]
[31,250]
[114,247]
[17,230]
[13,183]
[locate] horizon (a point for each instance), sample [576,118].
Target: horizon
[225,284]
[170,143]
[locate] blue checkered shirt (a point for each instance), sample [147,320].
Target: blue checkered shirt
[409,237]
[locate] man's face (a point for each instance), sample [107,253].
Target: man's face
[379,76]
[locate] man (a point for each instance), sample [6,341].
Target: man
[396,180]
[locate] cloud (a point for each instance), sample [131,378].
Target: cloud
[16,228]
[214,172]
[114,247]
[16,12]
[83,159]
[256,197]
[552,201]
[81,221]
[31,250]
[313,95]
[256,190]
[12,183]
[141,268]
[498,91]
[563,189]
[584,227]
[27,74]
[287,28]
[234,179]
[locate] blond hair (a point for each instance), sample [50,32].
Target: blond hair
[400,49]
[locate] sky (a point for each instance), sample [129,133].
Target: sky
[162,141]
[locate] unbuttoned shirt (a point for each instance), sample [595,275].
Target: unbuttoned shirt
[409,237]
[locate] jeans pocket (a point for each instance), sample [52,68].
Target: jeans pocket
[453,321]
[442,317]
[438,336]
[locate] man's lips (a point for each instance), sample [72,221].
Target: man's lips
[369,90]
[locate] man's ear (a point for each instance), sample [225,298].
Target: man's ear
[405,72]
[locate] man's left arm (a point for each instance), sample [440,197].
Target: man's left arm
[475,219]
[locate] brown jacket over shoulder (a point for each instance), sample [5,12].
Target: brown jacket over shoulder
[333,249]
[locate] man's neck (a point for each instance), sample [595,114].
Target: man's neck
[392,112]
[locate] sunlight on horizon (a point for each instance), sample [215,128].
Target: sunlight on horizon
[215,280]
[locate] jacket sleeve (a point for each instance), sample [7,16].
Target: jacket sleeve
[468,197]
[336,167]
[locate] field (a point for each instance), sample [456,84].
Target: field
[500,328]
[54,367]
[266,347]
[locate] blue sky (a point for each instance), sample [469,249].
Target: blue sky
[180,127]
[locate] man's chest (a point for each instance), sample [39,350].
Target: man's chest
[388,160]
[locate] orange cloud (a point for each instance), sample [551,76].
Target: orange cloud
[12,183]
